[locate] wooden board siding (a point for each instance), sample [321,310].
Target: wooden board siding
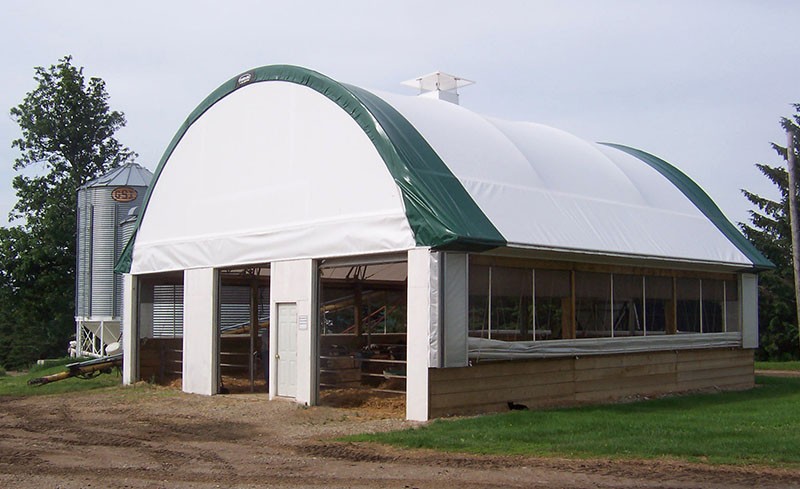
[487,387]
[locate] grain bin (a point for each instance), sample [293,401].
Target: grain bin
[103,204]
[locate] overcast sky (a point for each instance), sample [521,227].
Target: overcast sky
[701,84]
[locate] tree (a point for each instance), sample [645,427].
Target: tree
[770,232]
[67,139]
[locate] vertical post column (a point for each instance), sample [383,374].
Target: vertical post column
[200,331]
[130,331]
[295,281]
[418,331]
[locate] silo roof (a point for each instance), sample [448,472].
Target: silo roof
[127,175]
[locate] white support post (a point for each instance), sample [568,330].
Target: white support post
[130,331]
[200,331]
[102,351]
[78,339]
[295,282]
[418,330]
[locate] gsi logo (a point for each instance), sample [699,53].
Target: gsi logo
[244,79]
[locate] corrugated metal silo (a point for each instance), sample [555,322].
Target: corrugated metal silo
[103,204]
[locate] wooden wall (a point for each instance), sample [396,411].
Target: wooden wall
[487,387]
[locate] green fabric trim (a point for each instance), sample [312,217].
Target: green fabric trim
[702,201]
[440,212]
[439,209]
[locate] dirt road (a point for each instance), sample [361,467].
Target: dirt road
[154,437]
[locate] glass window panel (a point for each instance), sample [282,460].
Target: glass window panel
[338,311]
[732,306]
[552,299]
[688,305]
[628,313]
[713,306]
[592,305]
[512,304]
[658,304]
[478,301]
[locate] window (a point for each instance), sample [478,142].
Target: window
[713,306]
[592,305]
[732,306]
[552,301]
[531,304]
[628,301]
[658,310]
[688,305]
[479,301]
[512,304]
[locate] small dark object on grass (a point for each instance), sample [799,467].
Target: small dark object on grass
[517,407]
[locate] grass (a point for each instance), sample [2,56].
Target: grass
[17,385]
[760,426]
[778,365]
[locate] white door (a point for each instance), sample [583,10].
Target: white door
[287,350]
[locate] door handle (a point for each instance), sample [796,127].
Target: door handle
[277,355]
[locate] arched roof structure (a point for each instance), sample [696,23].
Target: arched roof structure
[282,162]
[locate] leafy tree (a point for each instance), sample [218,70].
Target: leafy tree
[67,139]
[770,232]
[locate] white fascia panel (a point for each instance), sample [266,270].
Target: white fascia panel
[274,170]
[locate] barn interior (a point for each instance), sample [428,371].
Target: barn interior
[244,329]
[160,328]
[362,310]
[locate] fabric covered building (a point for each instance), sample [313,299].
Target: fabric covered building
[407,244]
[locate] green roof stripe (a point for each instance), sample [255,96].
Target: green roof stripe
[702,201]
[440,212]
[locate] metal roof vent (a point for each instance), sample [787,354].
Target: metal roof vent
[439,85]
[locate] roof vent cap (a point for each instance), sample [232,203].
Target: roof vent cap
[439,85]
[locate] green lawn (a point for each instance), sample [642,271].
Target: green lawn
[761,426]
[17,385]
[778,365]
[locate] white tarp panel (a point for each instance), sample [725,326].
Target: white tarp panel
[542,187]
[485,349]
[435,343]
[272,171]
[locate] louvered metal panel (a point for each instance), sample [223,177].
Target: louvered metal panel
[234,310]
[167,311]
[235,306]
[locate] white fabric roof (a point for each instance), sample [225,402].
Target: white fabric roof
[274,171]
[543,187]
[282,168]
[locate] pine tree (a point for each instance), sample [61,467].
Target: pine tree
[769,230]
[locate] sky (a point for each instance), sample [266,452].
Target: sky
[701,84]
